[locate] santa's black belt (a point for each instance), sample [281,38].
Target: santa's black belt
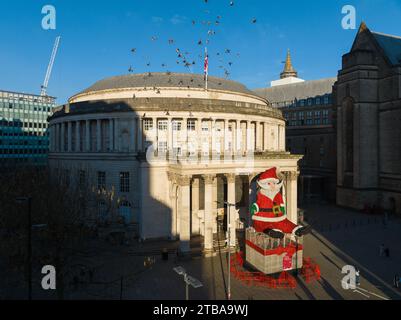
[265,210]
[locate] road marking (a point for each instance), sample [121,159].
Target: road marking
[381,297]
[362,293]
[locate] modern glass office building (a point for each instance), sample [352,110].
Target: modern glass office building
[24,138]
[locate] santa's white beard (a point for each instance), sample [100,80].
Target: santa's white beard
[271,194]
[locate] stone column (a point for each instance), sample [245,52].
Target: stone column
[292,196]
[69,136]
[185,215]
[199,135]
[154,139]
[174,201]
[78,136]
[185,135]
[87,136]
[132,146]
[170,135]
[213,136]
[232,209]
[257,136]
[208,246]
[265,136]
[248,136]
[62,140]
[238,138]
[140,134]
[116,136]
[111,135]
[195,205]
[98,135]
[226,134]
[215,205]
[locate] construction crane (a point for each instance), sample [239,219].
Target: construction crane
[43,92]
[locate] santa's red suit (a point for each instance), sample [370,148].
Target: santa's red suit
[267,219]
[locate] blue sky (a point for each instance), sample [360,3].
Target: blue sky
[97,37]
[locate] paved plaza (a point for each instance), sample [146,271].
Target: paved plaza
[340,237]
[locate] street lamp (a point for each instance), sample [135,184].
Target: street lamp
[189,281]
[229,206]
[28,200]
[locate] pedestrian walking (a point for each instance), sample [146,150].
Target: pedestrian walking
[396,281]
[358,277]
[381,250]
[387,252]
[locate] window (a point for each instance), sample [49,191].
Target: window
[301,117]
[124,182]
[162,126]
[310,102]
[191,126]
[326,99]
[177,125]
[317,117]
[318,101]
[302,103]
[205,126]
[162,146]
[101,180]
[325,116]
[148,124]
[309,120]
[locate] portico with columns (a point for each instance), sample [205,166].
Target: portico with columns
[185,195]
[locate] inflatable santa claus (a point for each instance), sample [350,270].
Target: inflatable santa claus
[268,213]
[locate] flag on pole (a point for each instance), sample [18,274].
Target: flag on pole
[206,68]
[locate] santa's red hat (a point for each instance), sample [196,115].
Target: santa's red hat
[270,174]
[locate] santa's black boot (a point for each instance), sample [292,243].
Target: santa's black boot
[303,231]
[274,234]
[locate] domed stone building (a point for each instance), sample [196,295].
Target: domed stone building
[174,152]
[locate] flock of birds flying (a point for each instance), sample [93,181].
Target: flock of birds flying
[183,57]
